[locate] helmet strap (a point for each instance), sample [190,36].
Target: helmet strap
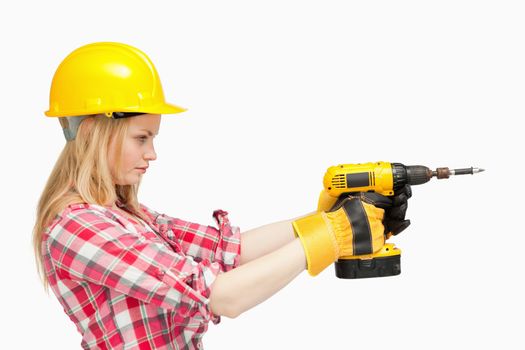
[70,125]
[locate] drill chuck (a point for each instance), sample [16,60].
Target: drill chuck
[411,175]
[419,174]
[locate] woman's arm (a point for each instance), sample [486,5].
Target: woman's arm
[265,239]
[244,287]
[271,257]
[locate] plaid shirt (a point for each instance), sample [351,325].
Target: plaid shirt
[129,286]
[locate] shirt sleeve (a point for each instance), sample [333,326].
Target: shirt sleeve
[89,246]
[222,245]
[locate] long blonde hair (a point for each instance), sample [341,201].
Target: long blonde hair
[82,175]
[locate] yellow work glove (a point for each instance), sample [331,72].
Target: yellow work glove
[325,201]
[394,220]
[353,226]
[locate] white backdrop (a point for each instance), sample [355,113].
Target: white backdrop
[276,92]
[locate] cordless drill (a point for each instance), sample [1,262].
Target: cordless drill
[383,178]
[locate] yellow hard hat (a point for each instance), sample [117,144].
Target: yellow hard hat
[107,78]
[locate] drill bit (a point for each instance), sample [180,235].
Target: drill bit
[444,173]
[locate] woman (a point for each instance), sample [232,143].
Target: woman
[130,277]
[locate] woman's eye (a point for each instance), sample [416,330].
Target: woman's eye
[142,139]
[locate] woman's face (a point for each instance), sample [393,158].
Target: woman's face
[137,149]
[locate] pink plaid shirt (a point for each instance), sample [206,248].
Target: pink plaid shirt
[127,285]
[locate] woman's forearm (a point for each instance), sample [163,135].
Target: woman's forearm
[242,288]
[265,239]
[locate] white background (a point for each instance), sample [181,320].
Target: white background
[276,92]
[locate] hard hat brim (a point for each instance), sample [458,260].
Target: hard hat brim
[166,108]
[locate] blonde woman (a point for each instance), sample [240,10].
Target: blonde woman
[130,277]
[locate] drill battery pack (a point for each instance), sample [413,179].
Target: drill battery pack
[365,268]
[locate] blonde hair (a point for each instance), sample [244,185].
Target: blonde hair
[82,175]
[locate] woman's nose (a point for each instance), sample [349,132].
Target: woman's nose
[150,154]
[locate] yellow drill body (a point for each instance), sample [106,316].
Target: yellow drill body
[367,177]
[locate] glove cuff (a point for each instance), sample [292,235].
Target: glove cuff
[326,201]
[318,240]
